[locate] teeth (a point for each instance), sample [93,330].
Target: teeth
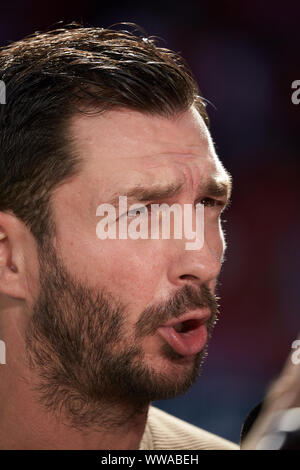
[178,327]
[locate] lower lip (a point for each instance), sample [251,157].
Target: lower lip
[186,344]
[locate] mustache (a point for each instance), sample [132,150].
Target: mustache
[187,299]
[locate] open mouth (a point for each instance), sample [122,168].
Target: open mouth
[187,325]
[187,337]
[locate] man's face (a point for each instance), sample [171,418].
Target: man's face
[102,302]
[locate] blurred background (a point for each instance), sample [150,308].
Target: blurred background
[245,56]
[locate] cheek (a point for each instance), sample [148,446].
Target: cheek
[130,269]
[133,271]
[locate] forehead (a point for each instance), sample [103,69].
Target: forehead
[123,147]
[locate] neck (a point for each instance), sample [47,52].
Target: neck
[25,423]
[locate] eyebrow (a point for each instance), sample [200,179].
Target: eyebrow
[211,188]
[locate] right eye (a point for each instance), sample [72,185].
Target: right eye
[143,210]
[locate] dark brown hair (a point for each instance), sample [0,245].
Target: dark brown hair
[49,77]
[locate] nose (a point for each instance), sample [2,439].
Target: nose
[197,266]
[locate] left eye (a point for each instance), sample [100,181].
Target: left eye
[209,202]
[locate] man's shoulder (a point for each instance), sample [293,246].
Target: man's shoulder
[165,431]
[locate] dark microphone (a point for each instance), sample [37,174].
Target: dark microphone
[283,432]
[249,421]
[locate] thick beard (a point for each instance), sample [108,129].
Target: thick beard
[90,371]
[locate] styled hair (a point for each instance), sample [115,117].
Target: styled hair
[51,76]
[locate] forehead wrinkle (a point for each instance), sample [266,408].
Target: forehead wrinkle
[212,187]
[145,193]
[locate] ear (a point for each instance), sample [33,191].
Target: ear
[12,257]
